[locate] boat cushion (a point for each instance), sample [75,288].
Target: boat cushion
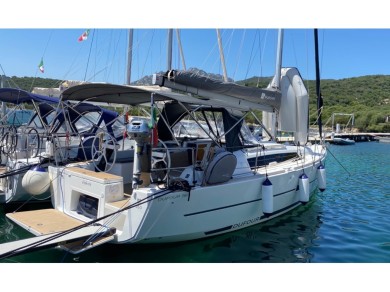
[220,169]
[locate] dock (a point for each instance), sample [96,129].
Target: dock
[357,137]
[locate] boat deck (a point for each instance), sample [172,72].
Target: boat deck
[122,203]
[44,221]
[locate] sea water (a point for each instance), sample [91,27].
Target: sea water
[347,223]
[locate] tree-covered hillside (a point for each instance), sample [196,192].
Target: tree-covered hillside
[28,83]
[367,97]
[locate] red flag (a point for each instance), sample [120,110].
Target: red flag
[84,36]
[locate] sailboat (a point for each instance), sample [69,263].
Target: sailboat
[57,133]
[183,186]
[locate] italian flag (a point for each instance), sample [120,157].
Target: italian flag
[84,36]
[40,66]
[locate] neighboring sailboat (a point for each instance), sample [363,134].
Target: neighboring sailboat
[55,134]
[187,186]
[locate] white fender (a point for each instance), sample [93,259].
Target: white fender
[321,176]
[36,181]
[267,191]
[304,188]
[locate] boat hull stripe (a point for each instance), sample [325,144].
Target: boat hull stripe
[234,205]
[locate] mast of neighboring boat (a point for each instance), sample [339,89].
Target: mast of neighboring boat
[271,119]
[3,107]
[225,77]
[129,56]
[181,49]
[278,68]
[318,87]
[169,57]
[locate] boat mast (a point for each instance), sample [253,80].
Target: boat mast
[169,57]
[129,56]
[3,107]
[279,52]
[181,49]
[318,87]
[271,119]
[225,78]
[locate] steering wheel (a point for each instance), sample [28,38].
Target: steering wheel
[101,142]
[33,142]
[9,141]
[161,163]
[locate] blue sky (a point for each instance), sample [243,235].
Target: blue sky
[248,52]
[248,35]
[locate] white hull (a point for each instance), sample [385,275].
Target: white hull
[213,210]
[159,216]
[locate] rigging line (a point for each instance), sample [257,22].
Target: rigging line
[147,54]
[294,50]
[328,149]
[72,64]
[108,64]
[229,41]
[251,54]
[239,54]
[47,44]
[89,55]
[9,79]
[44,51]
[322,50]
[208,56]
[178,37]
[262,51]
[115,53]
[307,64]
[260,59]
[27,247]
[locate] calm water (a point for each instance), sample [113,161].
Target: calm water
[348,223]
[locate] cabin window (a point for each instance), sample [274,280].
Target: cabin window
[88,206]
[86,122]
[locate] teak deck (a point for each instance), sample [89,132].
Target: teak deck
[99,175]
[45,221]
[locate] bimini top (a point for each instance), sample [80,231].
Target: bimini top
[136,95]
[128,94]
[17,96]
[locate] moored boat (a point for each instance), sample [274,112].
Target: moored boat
[182,187]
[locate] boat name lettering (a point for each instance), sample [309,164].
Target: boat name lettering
[169,198]
[140,205]
[85,182]
[265,96]
[247,222]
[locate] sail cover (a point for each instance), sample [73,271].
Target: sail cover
[268,97]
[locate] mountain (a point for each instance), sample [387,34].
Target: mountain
[147,80]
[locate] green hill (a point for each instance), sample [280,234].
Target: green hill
[367,97]
[28,83]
